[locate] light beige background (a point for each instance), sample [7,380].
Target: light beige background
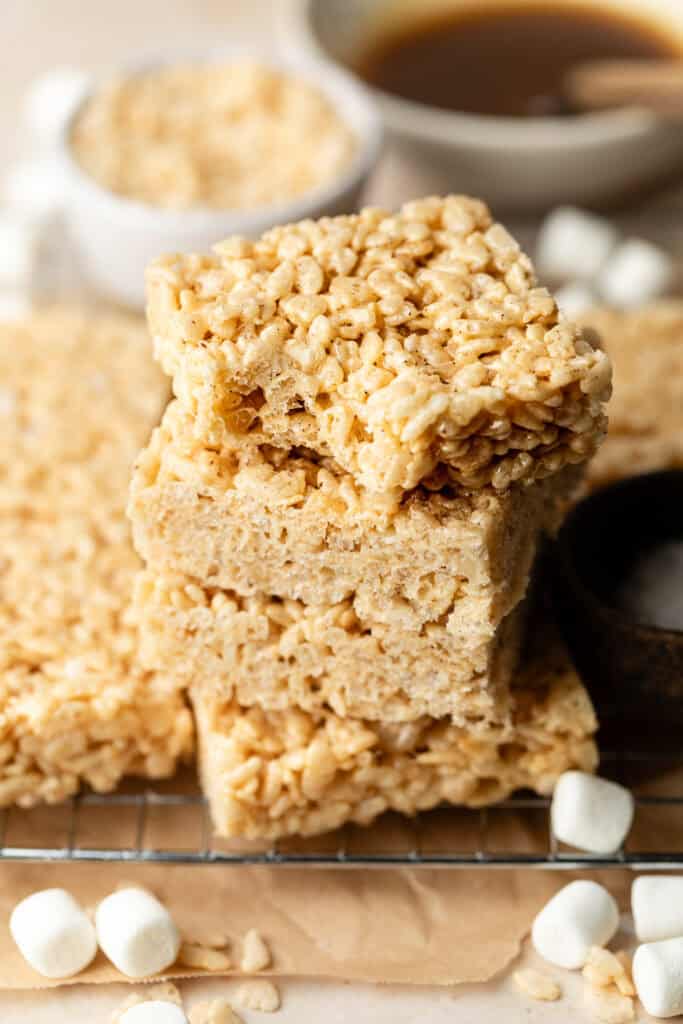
[97,34]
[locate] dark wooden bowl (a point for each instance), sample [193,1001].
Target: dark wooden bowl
[634,671]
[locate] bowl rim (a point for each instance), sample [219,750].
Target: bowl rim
[343,91]
[429,123]
[565,544]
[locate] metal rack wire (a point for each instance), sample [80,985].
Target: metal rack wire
[174,828]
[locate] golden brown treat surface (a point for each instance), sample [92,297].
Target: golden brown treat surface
[78,395]
[646,409]
[399,344]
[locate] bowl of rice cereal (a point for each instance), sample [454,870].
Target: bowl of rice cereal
[179,155]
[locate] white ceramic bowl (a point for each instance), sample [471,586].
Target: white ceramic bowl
[529,163]
[116,237]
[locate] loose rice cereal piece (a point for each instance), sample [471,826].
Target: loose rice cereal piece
[604,968]
[255,953]
[263,996]
[407,346]
[215,1011]
[204,957]
[538,985]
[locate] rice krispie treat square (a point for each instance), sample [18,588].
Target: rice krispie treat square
[269,774]
[646,409]
[399,344]
[280,653]
[260,520]
[78,395]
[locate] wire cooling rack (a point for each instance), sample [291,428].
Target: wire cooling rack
[174,827]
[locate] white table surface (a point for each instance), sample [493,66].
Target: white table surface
[39,35]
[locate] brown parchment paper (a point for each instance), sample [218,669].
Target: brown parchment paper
[413,926]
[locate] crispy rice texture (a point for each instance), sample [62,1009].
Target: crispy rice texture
[646,410]
[259,520]
[274,774]
[406,346]
[276,654]
[78,395]
[222,136]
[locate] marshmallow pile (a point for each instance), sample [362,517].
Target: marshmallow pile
[35,258]
[587,262]
[58,939]
[595,815]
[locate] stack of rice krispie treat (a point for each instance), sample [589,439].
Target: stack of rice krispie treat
[79,395]
[377,418]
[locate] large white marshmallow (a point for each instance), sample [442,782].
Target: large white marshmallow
[136,932]
[154,1011]
[658,977]
[575,298]
[37,188]
[590,813]
[581,915]
[53,933]
[636,273]
[50,101]
[573,245]
[657,905]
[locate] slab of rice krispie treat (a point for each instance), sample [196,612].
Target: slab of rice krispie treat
[646,409]
[273,774]
[280,653]
[259,520]
[78,395]
[392,342]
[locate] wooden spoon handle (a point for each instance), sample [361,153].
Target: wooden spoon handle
[655,85]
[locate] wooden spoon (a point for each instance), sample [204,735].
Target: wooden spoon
[655,85]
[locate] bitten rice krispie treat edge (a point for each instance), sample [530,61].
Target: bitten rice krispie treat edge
[646,409]
[78,395]
[274,774]
[402,345]
[279,654]
[260,520]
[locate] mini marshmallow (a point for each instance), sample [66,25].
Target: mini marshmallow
[573,245]
[574,299]
[658,977]
[154,1011]
[136,932]
[589,813]
[50,101]
[21,240]
[657,905]
[53,933]
[635,274]
[581,915]
[36,188]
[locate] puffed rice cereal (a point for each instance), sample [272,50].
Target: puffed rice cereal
[537,985]
[259,995]
[237,135]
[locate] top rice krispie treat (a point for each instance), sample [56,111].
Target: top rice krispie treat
[399,344]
